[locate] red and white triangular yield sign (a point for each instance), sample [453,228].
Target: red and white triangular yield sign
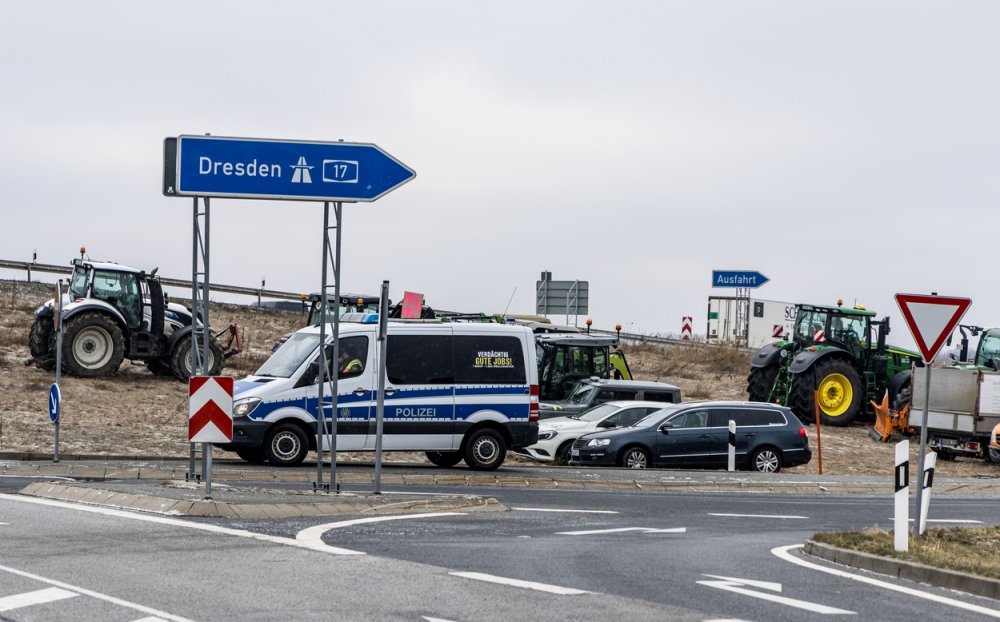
[210,414]
[931,319]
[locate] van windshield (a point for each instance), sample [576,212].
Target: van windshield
[289,356]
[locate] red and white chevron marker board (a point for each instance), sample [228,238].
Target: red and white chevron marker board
[777,331]
[819,335]
[210,414]
[931,319]
[686,328]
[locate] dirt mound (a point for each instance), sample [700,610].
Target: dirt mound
[136,413]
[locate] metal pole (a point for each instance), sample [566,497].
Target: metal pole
[321,430]
[59,334]
[206,335]
[383,313]
[338,214]
[194,310]
[923,447]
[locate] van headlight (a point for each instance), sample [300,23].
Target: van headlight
[599,442]
[242,408]
[544,435]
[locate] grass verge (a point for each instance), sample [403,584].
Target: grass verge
[975,550]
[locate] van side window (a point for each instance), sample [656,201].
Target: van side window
[419,359]
[353,356]
[489,359]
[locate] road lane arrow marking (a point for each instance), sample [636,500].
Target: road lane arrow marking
[589,532]
[738,586]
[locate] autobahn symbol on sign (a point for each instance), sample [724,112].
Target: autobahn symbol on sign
[210,417]
[931,319]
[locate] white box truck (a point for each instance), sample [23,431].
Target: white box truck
[752,322]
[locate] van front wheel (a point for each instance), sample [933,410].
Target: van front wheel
[286,445]
[485,450]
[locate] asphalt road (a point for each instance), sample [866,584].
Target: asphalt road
[578,555]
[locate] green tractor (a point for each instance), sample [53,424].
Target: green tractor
[831,351]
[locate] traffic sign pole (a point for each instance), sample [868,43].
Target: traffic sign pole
[59,335]
[930,320]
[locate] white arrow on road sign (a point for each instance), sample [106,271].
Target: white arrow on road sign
[621,530]
[739,586]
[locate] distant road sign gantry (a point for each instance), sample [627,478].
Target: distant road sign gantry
[253,168]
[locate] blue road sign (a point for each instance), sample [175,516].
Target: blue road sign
[738,278]
[254,168]
[55,402]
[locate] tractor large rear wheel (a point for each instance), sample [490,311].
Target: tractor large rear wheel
[182,365]
[760,382]
[40,343]
[839,390]
[93,345]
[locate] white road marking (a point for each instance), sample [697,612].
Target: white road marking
[435,619]
[162,520]
[960,521]
[110,599]
[621,530]
[567,511]
[150,619]
[783,552]
[38,597]
[758,515]
[313,536]
[528,585]
[736,586]
[764,585]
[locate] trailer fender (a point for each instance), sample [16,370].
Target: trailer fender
[766,356]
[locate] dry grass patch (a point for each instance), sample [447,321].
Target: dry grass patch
[975,550]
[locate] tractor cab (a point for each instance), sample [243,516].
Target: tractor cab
[566,358]
[849,329]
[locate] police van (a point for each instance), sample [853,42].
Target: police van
[453,390]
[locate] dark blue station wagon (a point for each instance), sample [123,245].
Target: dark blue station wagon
[696,435]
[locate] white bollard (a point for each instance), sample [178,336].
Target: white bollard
[901,520]
[732,445]
[926,483]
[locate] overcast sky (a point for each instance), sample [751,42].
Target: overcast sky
[844,149]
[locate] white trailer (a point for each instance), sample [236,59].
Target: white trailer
[751,322]
[964,407]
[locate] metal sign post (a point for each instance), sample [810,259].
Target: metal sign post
[931,319]
[55,393]
[200,334]
[256,168]
[383,321]
[322,432]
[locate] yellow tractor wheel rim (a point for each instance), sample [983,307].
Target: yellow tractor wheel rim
[835,395]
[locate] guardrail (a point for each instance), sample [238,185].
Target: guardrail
[30,266]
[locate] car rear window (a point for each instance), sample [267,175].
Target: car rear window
[659,396]
[765,417]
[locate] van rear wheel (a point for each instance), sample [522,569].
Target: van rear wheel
[485,450]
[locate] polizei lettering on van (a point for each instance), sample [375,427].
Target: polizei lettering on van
[208,166]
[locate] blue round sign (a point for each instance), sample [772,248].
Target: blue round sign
[55,402]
